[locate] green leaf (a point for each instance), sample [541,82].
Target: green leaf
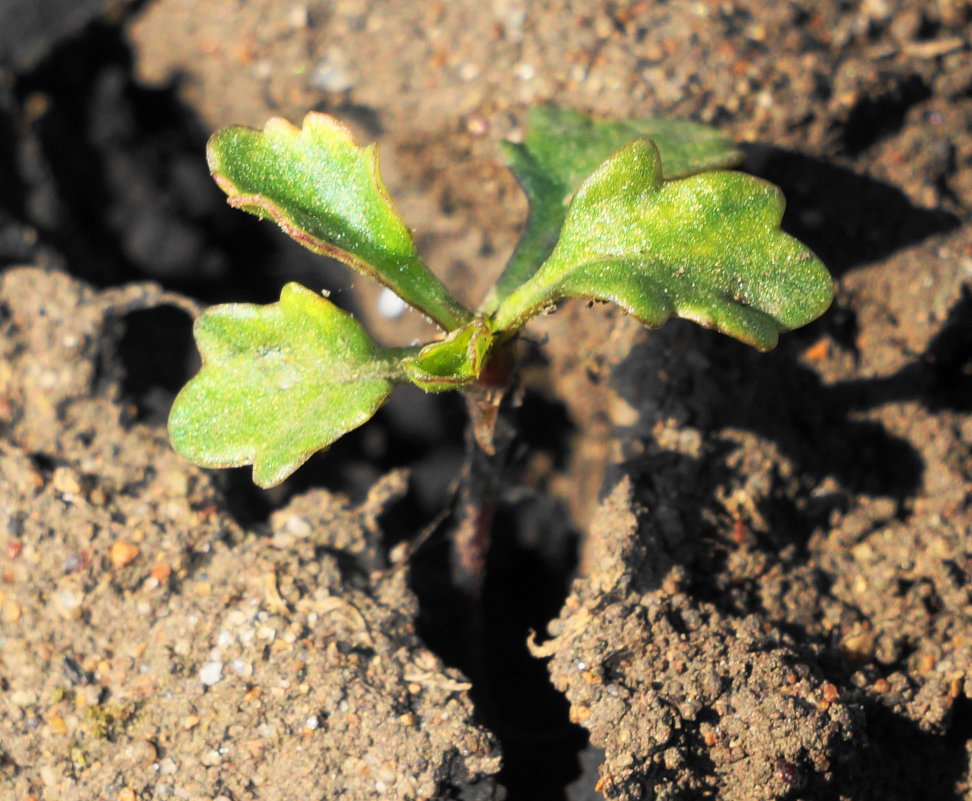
[278,383]
[326,193]
[707,248]
[563,147]
[452,362]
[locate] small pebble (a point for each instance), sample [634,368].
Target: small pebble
[23,698]
[298,526]
[390,306]
[298,19]
[468,72]
[525,71]
[211,673]
[331,74]
[236,617]
[57,724]
[477,125]
[68,604]
[66,481]
[123,553]
[266,633]
[241,668]
[72,562]
[11,611]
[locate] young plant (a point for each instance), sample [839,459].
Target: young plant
[641,213]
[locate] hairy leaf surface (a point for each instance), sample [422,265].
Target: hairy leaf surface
[563,147]
[278,383]
[707,248]
[327,194]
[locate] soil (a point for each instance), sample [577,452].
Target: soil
[714,573]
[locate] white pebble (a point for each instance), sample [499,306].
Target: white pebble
[331,74]
[210,673]
[266,632]
[23,698]
[236,617]
[525,71]
[390,305]
[241,668]
[297,525]
[468,72]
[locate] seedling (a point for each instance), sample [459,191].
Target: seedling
[641,213]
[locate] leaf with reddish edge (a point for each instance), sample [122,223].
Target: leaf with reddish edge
[326,193]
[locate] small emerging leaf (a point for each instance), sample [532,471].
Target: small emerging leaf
[326,193]
[278,383]
[452,362]
[563,147]
[707,248]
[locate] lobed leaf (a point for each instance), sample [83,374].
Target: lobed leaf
[707,248]
[278,383]
[563,147]
[327,194]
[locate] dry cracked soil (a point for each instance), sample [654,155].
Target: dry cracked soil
[713,573]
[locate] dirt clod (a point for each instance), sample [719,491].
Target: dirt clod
[166,659]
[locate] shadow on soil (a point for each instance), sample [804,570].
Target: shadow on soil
[814,423]
[900,762]
[847,219]
[112,176]
[116,181]
[531,559]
